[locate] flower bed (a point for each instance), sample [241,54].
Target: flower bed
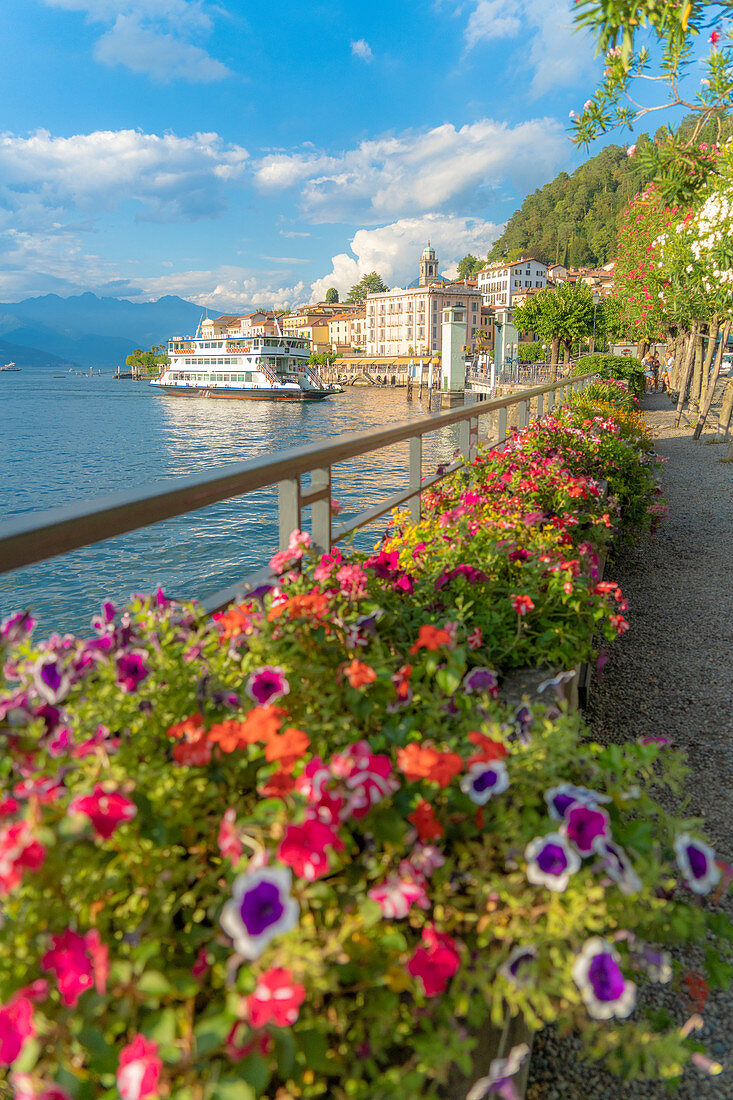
[305,850]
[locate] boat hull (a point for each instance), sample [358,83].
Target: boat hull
[245,394]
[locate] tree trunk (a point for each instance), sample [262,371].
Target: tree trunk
[679,359]
[708,399]
[726,413]
[696,386]
[566,357]
[641,349]
[712,338]
[554,353]
[685,374]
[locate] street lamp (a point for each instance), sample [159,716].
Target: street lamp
[596,300]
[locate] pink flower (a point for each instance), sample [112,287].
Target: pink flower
[105,810]
[131,671]
[230,846]
[522,604]
[139,1069]
[19,852]
[396,896]
[715,37]
[267,684]
[276,999]
[304,848]
[588,104]
[352,581]
[16,1028]
[368,778]
[475,638]
[620,624]
[327,564]
[424,858]
[631,150]
[79,962]
[435,962]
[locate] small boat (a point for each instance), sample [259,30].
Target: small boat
[10,366]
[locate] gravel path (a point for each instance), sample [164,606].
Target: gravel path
[671,674]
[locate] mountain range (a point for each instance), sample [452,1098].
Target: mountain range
[87,331]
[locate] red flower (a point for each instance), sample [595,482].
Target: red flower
[715,37]
[139,1069]
[359,674]
[106,810]
[279,784]
[304,848]
[424,819]
[16,1028]
[488,749]
[19,851]
[276,999]
[522,604]
[435,962]
[430,637]
[79,962]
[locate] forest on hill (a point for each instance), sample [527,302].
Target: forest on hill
[573,219]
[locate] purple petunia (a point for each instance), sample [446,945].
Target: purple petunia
[551,861]
[499,1079]
[559,799]
[267,684]
[603,987]
[616,864]
[469,572]
[484,780]
[584,824]
[260,908]
[131,670]
[15,627]
[481,680]
[51,679]
[696,861]
[515,967]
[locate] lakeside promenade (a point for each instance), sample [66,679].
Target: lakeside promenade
[670,675]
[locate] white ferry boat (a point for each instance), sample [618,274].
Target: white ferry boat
[242,357]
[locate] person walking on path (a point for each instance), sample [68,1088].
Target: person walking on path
[647,365]
[655,372]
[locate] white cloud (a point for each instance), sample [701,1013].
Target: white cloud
[43,178]
[412,173]
[362,49]
[227,288]
[394,250]
[556,54]
[157,37]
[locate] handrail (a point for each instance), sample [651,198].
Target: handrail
[42,535]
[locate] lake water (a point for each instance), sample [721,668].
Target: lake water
[67,439]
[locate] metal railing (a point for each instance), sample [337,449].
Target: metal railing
[48,534]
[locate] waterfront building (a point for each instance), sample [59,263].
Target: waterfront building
[408,322]
[597,278]
[347,330]
[499,282]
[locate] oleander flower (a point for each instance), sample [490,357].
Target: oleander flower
[276,999]
[584,824]
[551,861]
[260,909]
[696,861]
[499,1080]
[397,895]
[597,974]
[105,809]
[267,684]
[435,962]
[484,780]
[139,1069]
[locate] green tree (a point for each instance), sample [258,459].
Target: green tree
[151,361]
[368,284]
[332,295]
[469,266]
[559,315]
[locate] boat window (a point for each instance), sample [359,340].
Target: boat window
[248,376]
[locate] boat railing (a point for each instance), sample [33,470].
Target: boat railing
[303,476]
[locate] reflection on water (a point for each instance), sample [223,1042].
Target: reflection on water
[69,439]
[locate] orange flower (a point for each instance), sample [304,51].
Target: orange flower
[401,681]
[358,674]
[424,762]
[193,753]
[430,637]
[287,747]
[488,749]
[260,724]
[278,785]
[424,819]
[234,621]
[191,728]
[309,605]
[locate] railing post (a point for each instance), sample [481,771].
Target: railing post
[415,477]
[523,415]
[540,406]
[321,509]
[288,509]
[502,425]
[550,401]
[473,441]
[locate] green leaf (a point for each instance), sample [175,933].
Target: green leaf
[154,984]
[234,1088]
[212,1031]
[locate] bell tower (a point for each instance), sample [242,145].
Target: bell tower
[428,266]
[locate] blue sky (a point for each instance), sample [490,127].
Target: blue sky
[238,153]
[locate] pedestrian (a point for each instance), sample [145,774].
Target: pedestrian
[647,365]
[655,372]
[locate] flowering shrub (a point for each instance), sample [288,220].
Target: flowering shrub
[614,367]
[305,849]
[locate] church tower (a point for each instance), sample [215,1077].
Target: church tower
[428,266]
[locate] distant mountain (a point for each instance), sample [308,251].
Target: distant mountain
[573,220]
[32,357]
[92,331]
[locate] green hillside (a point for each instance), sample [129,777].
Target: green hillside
[573,219]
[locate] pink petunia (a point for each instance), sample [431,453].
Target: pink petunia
[139,1069]
[105,810]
